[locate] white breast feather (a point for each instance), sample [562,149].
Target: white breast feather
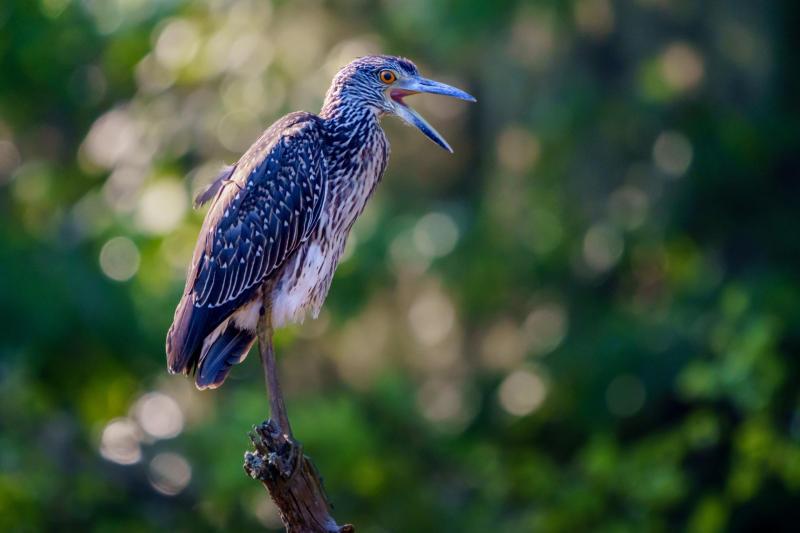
[247,316]
[290,301]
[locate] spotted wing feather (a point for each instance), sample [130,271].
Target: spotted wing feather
[262,212]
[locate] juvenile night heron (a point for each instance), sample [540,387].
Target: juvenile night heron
[280,216]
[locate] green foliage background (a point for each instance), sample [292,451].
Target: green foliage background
[586,319]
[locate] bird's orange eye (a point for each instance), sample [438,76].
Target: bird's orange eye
[387,76]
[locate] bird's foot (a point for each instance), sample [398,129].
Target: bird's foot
[276,453]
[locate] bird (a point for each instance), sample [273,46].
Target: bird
[280,216]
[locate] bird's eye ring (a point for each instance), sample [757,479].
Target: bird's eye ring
[387,76]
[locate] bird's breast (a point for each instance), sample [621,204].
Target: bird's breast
[303,282]
[299,288]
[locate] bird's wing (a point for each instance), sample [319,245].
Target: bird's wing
[268,207]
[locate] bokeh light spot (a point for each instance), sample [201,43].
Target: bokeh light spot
[522,392]
[177,44]
[119,259]
[120,442]
[404,255]
[159,415]
[545,328]
[440,400]
[162,206]
[602,247]
[169,473]
[435,235]
[112,138]
[533,37]
[682,66]
[672,153]
[121,189]
[625,395]
[152,76]
[431,317]
[594,17]
[502,345]
[628,206]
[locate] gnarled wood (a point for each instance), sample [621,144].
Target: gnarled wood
[292,481]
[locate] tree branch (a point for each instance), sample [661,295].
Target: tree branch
[278,462]
[292,480]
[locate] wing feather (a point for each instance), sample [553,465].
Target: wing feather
[266,206]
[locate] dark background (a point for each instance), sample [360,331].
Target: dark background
[586,319]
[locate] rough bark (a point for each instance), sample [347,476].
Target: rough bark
[292,481]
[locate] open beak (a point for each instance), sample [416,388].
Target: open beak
[414,85]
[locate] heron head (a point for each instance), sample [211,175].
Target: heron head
[383,83]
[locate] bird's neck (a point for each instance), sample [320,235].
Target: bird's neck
[340,107]
[348,125]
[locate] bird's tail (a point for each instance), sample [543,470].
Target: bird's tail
[192,348]
[228,349]
[185,337]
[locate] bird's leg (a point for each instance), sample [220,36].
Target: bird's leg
[278,462]
[277,407]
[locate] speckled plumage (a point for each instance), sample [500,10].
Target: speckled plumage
[280,217]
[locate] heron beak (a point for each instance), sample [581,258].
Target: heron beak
[415,85]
